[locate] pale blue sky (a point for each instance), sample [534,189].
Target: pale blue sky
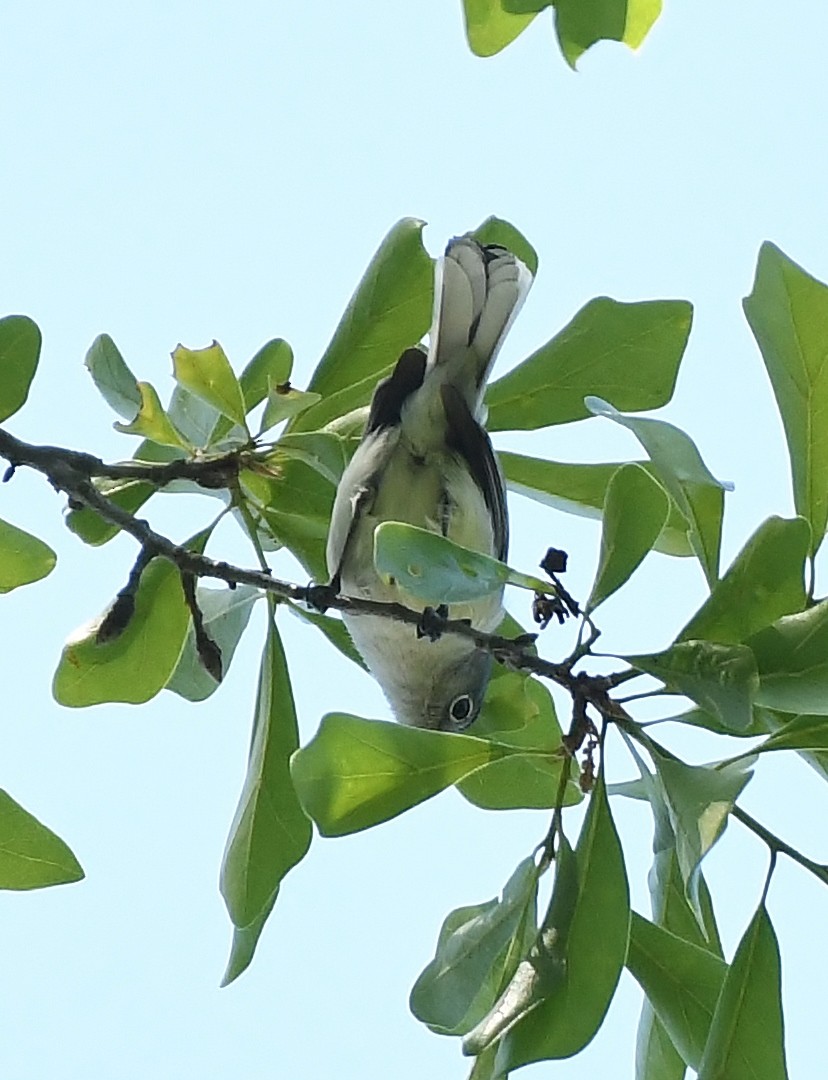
[182,172]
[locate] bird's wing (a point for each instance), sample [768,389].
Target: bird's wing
[466,437]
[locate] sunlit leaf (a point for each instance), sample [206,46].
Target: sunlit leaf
[629,352]
[244,942]
[23,557]
[679,466]
[635,512]
[151,421]
[113,378]
[226,613]
[580,25]
[519,711]
[788,314]
[747,1038]
[207,374]
[792,660]
[581,489]
[356,773]
[495,230]
[489,28]
[764,582]
[681,980]
[721,679]
[31,855]
[137,664]
[389,312]
[270,833]
[20,343]
[477,952]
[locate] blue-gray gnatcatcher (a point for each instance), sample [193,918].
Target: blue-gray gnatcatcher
[425,459]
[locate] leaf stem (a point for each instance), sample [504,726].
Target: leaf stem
[779,846]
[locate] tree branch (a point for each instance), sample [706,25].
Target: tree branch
[71,472]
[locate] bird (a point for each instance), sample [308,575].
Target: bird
[426,459]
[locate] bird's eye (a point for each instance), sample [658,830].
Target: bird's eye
[461,708]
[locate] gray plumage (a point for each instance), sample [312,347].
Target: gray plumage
[425,459]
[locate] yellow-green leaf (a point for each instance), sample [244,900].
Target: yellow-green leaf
[23,557]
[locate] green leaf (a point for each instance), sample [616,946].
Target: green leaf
[803,732]
[152,422]
[113,378]
[389,312]
[20,343]
[699,718]
[764,582]
[270,834]
[721,679]
[668,894]
[681,980]
[430,567]
[195,420]
[817,759]
[333,629]
[566,1013]
[323,451]
[489,28]
[129,496]
[495,230]
[635,512]
[356,773]
[207,374]
[581,489]
[31,856]
[293,505]
[788,313]
[543,969]
[656,1058]
[271,366]
[696,492]
[747,1033]
[579,25]
[284,402]
[792,660]
[592,355]
[519,711]
[135,666]
[699,800]
[477,952]
[226,613]
[23,557]
[671,908]
[243,945]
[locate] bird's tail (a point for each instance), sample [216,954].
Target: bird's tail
[479,289]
